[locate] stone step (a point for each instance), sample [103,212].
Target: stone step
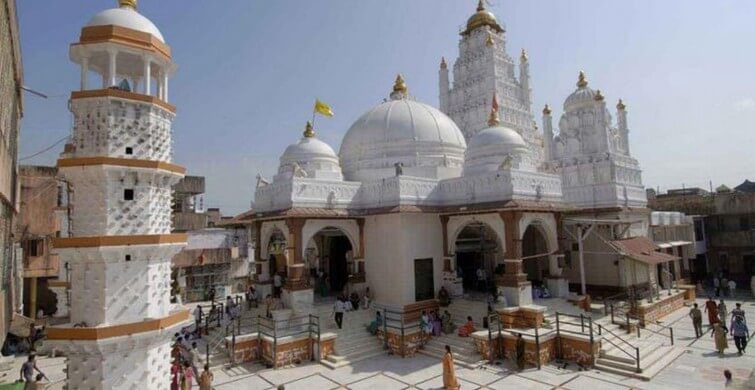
[340,361]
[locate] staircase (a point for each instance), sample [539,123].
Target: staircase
[353,342]
[463,348]
[619,357]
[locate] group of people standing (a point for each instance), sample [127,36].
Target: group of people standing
[186,358]
[724,286]
[717,316]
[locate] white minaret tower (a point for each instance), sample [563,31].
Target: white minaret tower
[443,84]
[119,166]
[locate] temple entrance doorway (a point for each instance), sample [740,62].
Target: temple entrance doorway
[535,255]
[477,254]
[276,249]
[329,258]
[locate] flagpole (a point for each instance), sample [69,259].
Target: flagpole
[314,112]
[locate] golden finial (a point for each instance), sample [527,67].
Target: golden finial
[127,4]
[481,5]
[489,42]
[620,105]
[309,131]
[582,81]
[523,57]
[400,85]
[598,96]
[493,119]
[443,64]
[546,110]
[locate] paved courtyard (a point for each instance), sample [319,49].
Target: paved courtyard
[699,368]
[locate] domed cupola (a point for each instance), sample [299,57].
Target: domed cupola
[126,16]
[494,148]
[482,17]
[584,96]
[309,158]
[420,138]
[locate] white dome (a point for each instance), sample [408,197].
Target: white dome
[314,158]
[492,147]
[126,17]
[426,141]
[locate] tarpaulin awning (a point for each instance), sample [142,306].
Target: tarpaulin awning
[643,250]
[20,325]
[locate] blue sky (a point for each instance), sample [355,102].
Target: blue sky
[249,71]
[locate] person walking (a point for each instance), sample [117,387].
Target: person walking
[717,285]
[338,309]
[712,310]
[195,358]
[738,312]
[719,335]
[722,312]
[28,368]
[175,374]
[520,352]
[724,286]
[449,373]
[697,320]
[740,333]
[187,380]
[205,380]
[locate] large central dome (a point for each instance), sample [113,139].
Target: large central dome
[422,139]
[126,16]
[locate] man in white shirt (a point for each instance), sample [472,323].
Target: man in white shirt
[338,309]
[277,284]
[481,279]
[732,286]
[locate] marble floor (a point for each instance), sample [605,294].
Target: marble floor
[699,368]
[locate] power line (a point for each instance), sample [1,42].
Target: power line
[44,150]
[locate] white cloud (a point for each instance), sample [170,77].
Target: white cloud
[745,104]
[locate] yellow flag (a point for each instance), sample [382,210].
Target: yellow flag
[322,108]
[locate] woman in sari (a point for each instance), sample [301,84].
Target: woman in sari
[719,334]
[435,321]
[467,329]
[449,374]
[712,309]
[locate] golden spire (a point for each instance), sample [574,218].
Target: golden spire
[481,5]
[400,85]
[598,96]
[443,64]
[127,4]
[546,110]
[309,131]
[620,105]
[523,57]
[489,42]
[582,81]
[493,119]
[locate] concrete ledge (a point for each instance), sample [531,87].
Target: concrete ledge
[104,332]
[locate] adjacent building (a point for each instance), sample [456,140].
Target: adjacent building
[43,217]
[11,111]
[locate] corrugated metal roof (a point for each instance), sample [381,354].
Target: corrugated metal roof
[642,249]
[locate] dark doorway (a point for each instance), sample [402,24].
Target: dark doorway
[476,248]
[700,264]
[339,274]
[535,250]
[423,280]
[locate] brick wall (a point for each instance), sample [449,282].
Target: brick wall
[410,345]
[505,347]
[661,308]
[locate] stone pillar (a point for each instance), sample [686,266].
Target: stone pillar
[111,75]
[147,75]
[513,285]
[297,294]
[84,73]
[165,86]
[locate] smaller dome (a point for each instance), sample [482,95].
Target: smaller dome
[310,157]
[126,16]
[481,18]
[492,149]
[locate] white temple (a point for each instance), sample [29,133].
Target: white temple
[118,164]
[418,198]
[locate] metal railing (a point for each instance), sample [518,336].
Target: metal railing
[289,327]
[616,318]
[569,319]
[634,357]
